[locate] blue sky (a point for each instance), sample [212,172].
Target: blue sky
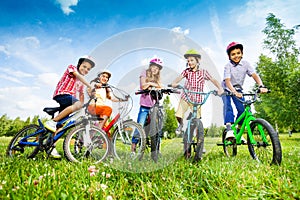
[40,38]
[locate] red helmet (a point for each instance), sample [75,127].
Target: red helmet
[156,61]
[234,45]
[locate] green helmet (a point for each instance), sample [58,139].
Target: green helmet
[192,52]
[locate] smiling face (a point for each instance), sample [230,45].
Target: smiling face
[236,55]
[192,62]
[84,68]
[104,77]
[154,69]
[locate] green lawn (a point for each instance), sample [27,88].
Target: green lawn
[173,177]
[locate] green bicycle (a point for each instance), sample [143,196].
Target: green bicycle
[262,140]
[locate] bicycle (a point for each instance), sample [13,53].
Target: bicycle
[84,140]
[262,140]
[123,129]
[193,136]
[154,122]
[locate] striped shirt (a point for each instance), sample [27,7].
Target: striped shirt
[69,84]
[194,82]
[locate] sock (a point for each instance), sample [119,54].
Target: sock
[228,126]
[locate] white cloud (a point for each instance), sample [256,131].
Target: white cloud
[65,5]
[48,79]
[179,30]
[4,50]
[214,20]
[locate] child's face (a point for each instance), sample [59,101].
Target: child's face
[154,69]
[192,62]
[104,78]
[84,68]
[236,55]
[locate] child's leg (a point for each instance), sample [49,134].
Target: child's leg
[76,106]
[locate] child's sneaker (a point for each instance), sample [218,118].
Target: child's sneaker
[50,125]
[229,135]
[55,154]
[179,129]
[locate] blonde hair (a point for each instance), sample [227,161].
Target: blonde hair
[152,77]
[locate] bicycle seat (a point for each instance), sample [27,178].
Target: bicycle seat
[51,110]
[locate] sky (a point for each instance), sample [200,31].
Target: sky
[39,39]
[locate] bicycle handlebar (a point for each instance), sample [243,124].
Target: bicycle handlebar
[205,94]
[250,101]
[165,91]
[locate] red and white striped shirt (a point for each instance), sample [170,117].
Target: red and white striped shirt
[194,82]
[69,84]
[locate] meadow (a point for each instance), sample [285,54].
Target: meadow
[173,177]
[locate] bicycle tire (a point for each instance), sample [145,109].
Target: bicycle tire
[263,152]
[76,151]
[155,127]
[199,131]
[230,149]
[122,141]
[14,149]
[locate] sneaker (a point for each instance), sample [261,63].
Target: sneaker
[50,125]
[179,129]
[204,150]
[229,135]
[244,141]
[55,154]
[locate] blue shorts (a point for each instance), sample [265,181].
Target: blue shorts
[65,100]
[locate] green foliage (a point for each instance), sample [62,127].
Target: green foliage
[9,127]
[213,131]
[215,177]
[281,74]
[170,122]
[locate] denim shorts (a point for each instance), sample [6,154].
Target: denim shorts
[65,100]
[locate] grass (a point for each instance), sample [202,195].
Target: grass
[173,177]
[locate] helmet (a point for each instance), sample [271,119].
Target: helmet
[105,72]
[234,45]
[193,53]
[88,59]
[156,61]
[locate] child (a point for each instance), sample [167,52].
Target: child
[65,94]
[97,106]
[234,75]
[149,79]
[195,79]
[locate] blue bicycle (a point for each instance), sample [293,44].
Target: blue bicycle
[193,137]
[83,141]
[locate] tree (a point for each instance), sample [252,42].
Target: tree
[281,74]
[170,123]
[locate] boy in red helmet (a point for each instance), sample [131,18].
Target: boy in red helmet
[234,76]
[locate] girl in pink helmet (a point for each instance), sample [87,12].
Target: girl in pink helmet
[234,75]
[149,79]
[71,84]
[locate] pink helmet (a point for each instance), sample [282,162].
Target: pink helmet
[156,61]
[234,45]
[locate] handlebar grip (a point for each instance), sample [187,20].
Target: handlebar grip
[141,92]
[169,85]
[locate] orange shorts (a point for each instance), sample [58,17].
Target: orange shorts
[100,110]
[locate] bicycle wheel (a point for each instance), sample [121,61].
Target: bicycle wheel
[199,132]
[80,145]
[267,148]
[155,128]
[27,134]
[122,140]
[229,146]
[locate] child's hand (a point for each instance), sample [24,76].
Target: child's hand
[238,95]
[220,91]
[263,90]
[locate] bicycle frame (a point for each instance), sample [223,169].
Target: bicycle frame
[247,116]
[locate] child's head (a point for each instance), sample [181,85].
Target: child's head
[193,58]
[104,76]
[153,72]
[235,52]
[85,64]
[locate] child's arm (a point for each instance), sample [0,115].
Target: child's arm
[259,83]
[82,79]
[232,89]
[218,85]
[177,80]
[145,85]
